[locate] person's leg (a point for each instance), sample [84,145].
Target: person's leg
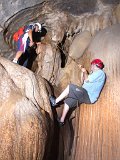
[63,94]
[17,56]
[20,50]
[54,101]
[64,113]
[31,57]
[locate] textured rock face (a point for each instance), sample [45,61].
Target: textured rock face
[82,6]
[46,63]
[96,126]
[9,8]
[25,114]
[22,114]
[59,23]
[117,13]
[79,44]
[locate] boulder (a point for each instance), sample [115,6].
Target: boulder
[117,13]
[48,62]
[79,44]
[23,117]
[67,75]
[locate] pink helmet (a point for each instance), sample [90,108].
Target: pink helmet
[98,63]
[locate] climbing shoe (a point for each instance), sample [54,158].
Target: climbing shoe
[15,61]
[60,123]
[52,101]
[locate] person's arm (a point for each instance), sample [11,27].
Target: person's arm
[84,74]
[30,36]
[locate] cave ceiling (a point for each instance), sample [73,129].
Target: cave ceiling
[10,8]
[80,6]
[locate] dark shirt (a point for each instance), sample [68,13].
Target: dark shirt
[36,36]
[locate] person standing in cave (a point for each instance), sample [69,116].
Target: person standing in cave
[31,39]
[27,44]
[25,40]
[88,93]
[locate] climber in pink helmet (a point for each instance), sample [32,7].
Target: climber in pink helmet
[88,93]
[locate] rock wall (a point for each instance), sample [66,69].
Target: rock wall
[10,8]
[96,127]
[24,115]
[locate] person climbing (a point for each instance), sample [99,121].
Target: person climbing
[88,93]
[29,38]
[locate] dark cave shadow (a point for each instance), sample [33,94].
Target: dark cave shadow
[54,146]
[56,138]
[28,58]
[51,148]
[59,133]
[70,119]
[61,49]
[50,89]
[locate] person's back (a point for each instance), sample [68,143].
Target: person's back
[94,84]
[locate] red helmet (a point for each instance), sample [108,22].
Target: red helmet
[98,63]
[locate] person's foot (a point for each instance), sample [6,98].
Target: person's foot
[15,61]
[52,101]
[60,123]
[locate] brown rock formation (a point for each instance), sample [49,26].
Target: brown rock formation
[95,134]
[91,133]
[79,44]
[48,62]
[23,116]
[117,13]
